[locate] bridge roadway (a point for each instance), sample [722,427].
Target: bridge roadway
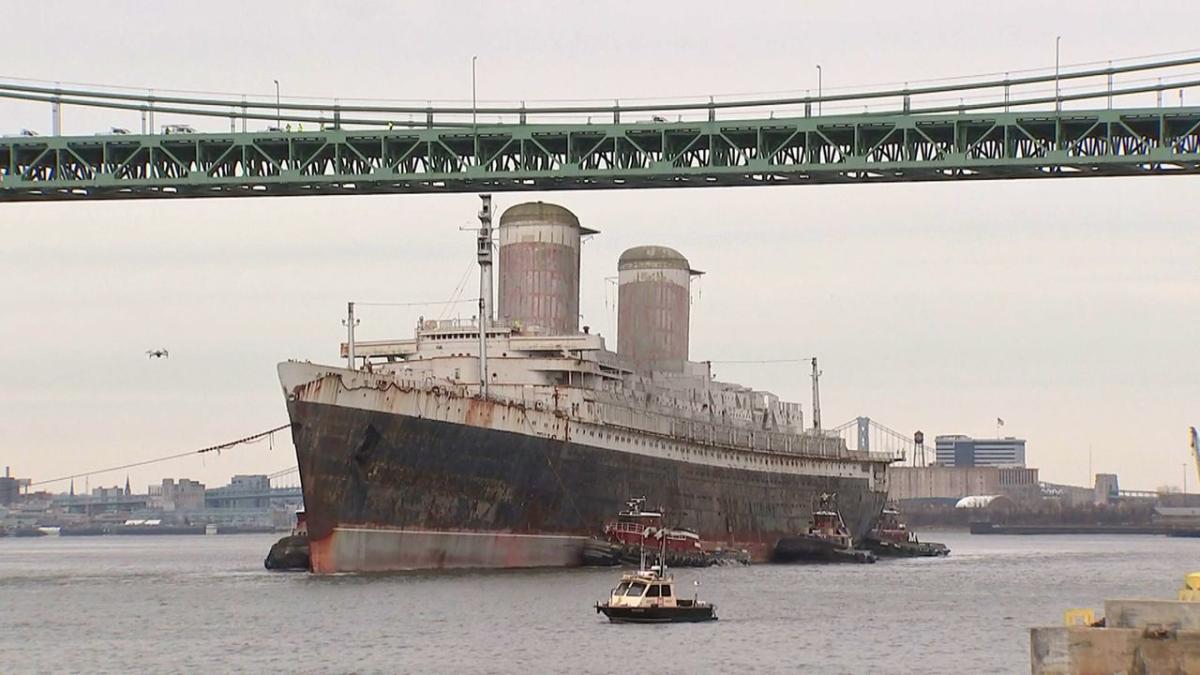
[839,149]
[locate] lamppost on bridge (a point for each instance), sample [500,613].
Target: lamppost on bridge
[278,117]
[818,90]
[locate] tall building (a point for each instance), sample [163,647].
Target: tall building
[959,450]
[8,488]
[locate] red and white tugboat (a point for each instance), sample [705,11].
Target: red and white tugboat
[891,537]
[828,540]
[636,522]
[680,547]
[649,596]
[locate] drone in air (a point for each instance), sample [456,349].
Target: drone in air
[157,353]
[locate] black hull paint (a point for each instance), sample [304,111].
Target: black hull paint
[807,548]
[374,469]
[886,548]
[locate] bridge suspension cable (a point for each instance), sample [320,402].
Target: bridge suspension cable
[328,113]
[1157,57]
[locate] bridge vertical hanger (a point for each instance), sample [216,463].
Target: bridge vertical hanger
[56,112]
[1057,91]
[484,254]
[1110,80]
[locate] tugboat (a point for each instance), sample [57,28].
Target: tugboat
[291,552]
[622,540]
[828,540]
[648,596]
[891,537]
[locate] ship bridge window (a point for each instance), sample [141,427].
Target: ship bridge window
[653,592]
[666,591]
[635,590]
[620,590]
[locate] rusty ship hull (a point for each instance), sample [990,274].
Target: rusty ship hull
[398,476]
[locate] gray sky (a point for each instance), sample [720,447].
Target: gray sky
[1069,308]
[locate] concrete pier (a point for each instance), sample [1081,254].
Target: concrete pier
[1139,636]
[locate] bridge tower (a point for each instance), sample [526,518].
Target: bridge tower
[864,434]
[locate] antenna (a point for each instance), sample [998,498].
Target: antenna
[816,378]
[662,552]
[484,255]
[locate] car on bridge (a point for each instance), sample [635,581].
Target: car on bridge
[178,129]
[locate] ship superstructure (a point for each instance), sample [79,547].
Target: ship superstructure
[432,452]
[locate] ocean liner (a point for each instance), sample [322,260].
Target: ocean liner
[508,440]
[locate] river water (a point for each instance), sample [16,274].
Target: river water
[205,604]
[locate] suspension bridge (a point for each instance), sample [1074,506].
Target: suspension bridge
[1079,122]
[864,434]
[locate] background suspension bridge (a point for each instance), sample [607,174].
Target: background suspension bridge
[985,129]
[866,435]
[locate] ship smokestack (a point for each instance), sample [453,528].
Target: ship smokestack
[654,307]
[539,268]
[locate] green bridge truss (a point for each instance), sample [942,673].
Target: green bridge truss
[372,149]
[801,151]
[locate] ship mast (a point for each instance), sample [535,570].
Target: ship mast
[350,322]
[484,253]
[816,378]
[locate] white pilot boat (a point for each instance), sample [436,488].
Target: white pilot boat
[649,596]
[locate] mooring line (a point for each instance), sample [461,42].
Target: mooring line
[217,448]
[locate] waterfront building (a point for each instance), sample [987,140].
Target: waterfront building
[186,495]
[964,451]
[248,500]
[949,484]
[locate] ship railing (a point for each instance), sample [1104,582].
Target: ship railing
[758,440]
[704,433]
